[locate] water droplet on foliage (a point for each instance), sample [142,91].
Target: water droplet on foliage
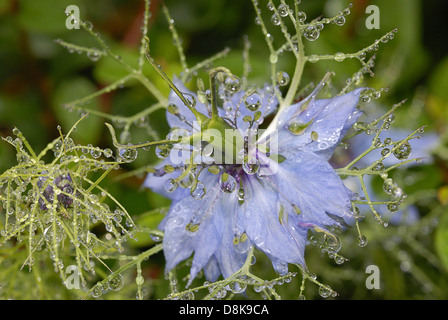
[128,154]
[361,241]
[116,282]
[311,33]
[282,78]
[403,151]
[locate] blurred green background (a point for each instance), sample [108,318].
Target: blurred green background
[37,76]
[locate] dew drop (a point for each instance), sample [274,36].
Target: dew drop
[199,191]
[389,186]
[282,78]
[192,228]
[253,102]
[232,84]
[170,185]
[379,166]
[128,155]
[116,282]
[162,151]
[325,291]
[313,58]
[311,33]
[251,165]
[275,19]
[339,259]
[339,57]
[191,100]
[403,151]
[392,207]
[240,195]
[283,10]
[361,241]
[228,183]
[173,109]
[88,25]
[93,55]
[187,181]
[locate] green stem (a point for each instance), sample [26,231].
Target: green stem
[214,88]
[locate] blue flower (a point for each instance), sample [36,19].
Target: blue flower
[274,190]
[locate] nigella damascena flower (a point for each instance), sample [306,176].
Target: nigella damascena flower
[234,185]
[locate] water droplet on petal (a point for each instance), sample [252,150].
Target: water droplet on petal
[96,153]
[237,287]
[253,102]
[332,243]
[192,228]
[232,84]
[199,191]
[301,16]
[340,21]
[171,185]
[97,291]
[251,165]
[228,183]
[339,56]
[392,207]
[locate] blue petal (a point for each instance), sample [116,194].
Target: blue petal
[231,257]
[309,181]
[330,119]
[282,240]
[239,110]
[211,241]
[173,98]
[157,183]
[212,270]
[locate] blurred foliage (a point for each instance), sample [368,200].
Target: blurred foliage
[38,75]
